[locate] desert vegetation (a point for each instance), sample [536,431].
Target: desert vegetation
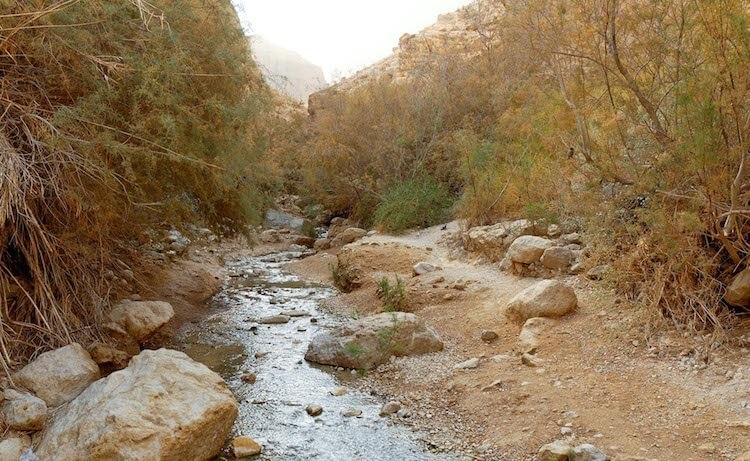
[628,119]
[117,117]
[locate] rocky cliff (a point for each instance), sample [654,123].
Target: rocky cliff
[458,35]
[286,71]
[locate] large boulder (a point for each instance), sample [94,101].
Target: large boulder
[141,319]
[58,376]
[738,292]
[163,406]
[371,341]
[528,249]
[23,412]
[548,298]
[348,236]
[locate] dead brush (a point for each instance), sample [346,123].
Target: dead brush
[80,150]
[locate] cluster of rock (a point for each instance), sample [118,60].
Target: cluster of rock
[528,248]
[155,407]
[341,232]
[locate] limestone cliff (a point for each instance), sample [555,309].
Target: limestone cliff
[286,71]
[458,35]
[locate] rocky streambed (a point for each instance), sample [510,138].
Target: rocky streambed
[257,338]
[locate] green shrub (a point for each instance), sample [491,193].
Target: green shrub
[412,204]
[393,296]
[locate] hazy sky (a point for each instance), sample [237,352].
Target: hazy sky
[341,36]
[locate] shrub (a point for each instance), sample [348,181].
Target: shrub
[117,116]
[411,204]
[393,296]
[346,276]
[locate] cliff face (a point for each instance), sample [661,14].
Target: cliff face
[287,71]
[458,35]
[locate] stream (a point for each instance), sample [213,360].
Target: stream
[272,410]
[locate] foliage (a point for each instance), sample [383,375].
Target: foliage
[630,117]
[411,204]
[116,116]
[393,296]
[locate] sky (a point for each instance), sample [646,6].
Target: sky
[341,36]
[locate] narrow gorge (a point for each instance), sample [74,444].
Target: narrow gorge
[520,236]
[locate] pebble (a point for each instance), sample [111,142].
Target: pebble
[338,392]
[390,408]
[529,360]
[244,446]
[274,320]
[468,364]
[488,336]
[314,410]
[249,378]
[352,413]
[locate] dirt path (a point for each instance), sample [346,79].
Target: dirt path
[604,379]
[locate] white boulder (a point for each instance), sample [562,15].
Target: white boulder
[371,341]
[58,376]
[548,298]
[141,319]
[163,406]
[528,249]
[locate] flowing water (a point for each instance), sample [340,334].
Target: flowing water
[272,410]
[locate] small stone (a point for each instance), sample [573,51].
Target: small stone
[275,320]
[530,361]
[390,408]
[294,313]
[249,378]
[588,452]
[403,413]
[598,272]
[14,446]
[707,448]
[555,451]
[489,336]
[566,431]
[24,412]
[352,413]
[314,410]
[422,268]
[468,364]
[244,447]
[338,392]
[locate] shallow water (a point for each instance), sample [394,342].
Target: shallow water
[272,410]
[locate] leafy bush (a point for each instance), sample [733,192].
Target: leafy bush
[412,204]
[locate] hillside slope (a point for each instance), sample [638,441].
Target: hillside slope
[287,71]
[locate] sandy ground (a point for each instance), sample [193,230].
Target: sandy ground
[635,394]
